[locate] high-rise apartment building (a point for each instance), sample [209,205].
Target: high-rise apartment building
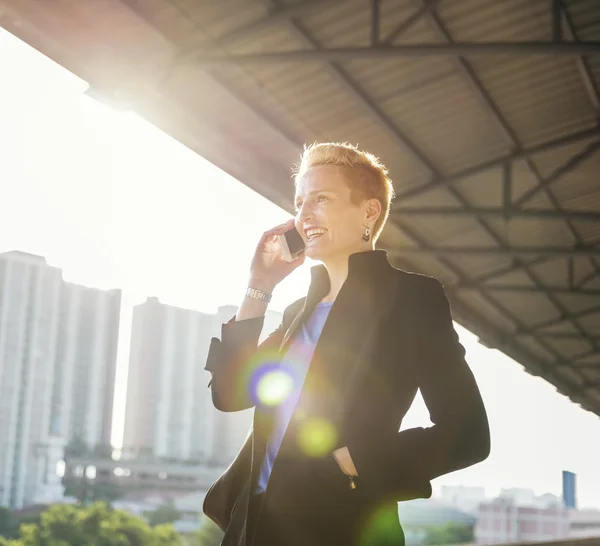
[57,363]
[83,392]
[30,293]
[169,411]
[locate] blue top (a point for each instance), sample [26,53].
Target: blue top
[295,362]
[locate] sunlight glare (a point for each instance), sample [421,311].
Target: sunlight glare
[274,387]
[317,437]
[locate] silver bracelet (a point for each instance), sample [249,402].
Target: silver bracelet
[257,294]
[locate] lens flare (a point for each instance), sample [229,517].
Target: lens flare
[274,387]
[317,437]
[382,526]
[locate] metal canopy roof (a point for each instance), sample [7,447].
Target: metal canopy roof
[485,112]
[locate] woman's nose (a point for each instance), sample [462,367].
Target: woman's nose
[303,214]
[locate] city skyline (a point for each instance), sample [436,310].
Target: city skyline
[123,205]
[62,336]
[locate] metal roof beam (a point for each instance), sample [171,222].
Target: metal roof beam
[504,344]
[280,13]
[591,275]
[409,22]
[494,212]
[560,320]
[500,161]
[456,49]
[481,93]
[571,272]
[469,75]
[375,22]
[520,288]
[354,90]
[514,266]
[549,251]
[582,62]
[564,169]
[555,335]
[556,20]
[573,364]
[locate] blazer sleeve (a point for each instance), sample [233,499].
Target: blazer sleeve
[460,434]
[234,360]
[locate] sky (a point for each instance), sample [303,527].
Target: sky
[116,203]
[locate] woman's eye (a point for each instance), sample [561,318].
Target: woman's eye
[321,198]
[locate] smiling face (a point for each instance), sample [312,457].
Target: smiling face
[331,220]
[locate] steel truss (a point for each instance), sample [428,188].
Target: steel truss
[564,42]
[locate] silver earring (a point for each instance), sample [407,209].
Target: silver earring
[367,234]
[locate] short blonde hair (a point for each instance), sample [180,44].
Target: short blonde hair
[373,182]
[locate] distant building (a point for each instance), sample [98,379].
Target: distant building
[569,481]
[464,498]
[139,475]
[584,523]
[57,365]
[417,516]
[506,520]
[169,411]
[82,397]
[81,408]
[30,292]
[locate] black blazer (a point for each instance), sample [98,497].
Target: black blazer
[388,334]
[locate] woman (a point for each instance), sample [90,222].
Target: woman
[325,463]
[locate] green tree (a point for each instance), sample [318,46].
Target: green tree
[167,513]
[209,534]
[97,525]
[449,534]
[7,523]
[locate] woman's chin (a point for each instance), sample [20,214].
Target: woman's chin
[316,251]
[312,251]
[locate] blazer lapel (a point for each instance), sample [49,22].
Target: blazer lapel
[319,288]
[345,343]
[289,334]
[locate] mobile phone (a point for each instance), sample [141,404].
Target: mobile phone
[292,244]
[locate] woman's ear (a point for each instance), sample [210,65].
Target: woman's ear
[373,210]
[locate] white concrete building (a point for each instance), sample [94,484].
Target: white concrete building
[83,392]
[512,518]
[58,346]
[465,498]
[169,410]
[584,523]
[29,318]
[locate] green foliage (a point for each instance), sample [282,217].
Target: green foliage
[97,525]
[167,513]
[7,542]
[10,522]
[7,523]
[209,534]
[449,534]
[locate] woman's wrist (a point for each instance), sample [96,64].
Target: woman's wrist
[262,285]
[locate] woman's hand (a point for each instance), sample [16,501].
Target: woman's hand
[268,267]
